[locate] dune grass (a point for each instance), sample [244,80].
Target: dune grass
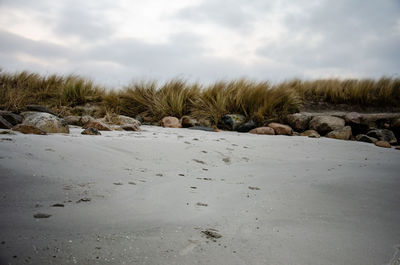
[20,89]
[258,101]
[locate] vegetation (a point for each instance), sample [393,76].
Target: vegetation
[259,101]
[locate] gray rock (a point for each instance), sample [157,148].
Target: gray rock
[4,124]
[341,134]
[91,131]
[231,122]
[99,125]
[45,122]
[299,121]
[247,126]
[73,120]
[326,124]
[130,127]
[365,138]
[383,135]
[127,120]
[12,118]
[353,118]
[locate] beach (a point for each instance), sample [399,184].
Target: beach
[181,196]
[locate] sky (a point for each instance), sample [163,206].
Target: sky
[115,42]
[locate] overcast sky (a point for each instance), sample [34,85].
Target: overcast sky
[116,41]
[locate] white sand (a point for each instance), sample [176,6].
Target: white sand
[320,201]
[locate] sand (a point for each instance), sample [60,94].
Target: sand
[164,196]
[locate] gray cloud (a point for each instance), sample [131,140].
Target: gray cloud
[354,37]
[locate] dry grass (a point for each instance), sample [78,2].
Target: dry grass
[259,101]
[20,89]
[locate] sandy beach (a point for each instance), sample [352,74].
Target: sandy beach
[181,196]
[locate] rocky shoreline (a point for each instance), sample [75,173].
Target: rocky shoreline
[381,129]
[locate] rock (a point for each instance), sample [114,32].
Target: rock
[73,120]
[281,129]
[211,233]
[204,123]
[395,126]
[325,124]
[170,122]
[39,108]
[187,122]
[45,121]
[263,130]
[341,134]
[311,134]
[384,144]
[116,127]
[85,119]
[12,118]
[383,135]
[4,124]
[122,120]
[41,215]
[101,126]
[91,131]
[365,138]
[231,122]
[299,121]
[28,129]
[202,128]
[7,132]
[353,118]
[131,127]
[247,126]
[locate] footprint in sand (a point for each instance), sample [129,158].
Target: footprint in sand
[199,161]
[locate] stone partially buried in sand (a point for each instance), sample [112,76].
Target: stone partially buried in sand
[383,135]
[28,129]
[170,122]
[45,121]
[91,131]
[101,126]
[299,121]
[231,121]
[311,134]
[341,134]
[365,138]
[383,144]
[281,129]
[263,130]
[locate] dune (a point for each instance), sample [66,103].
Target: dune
[180,196]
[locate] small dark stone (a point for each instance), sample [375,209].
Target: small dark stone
[210,233]
[58,205]
[12,118]
[246,127]
[41,215]
[254,188]
[91,131]
[84,200]
[4,124]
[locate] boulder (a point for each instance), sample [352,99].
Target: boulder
[39,108]
[28,129]
[341,134]
[47,122]
[12,118]
[130,127]
[4,124]
[281,129]
[384,144]
[73,120]
[187,122]
[325,124]
[311,134]
[247,126]
[171,122]
[91,131]
[263,130]
[299,121]
[101,126]
[353,118]
[231,122]
[383,135]
[365,138]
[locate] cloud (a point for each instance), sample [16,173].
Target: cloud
[115,41]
